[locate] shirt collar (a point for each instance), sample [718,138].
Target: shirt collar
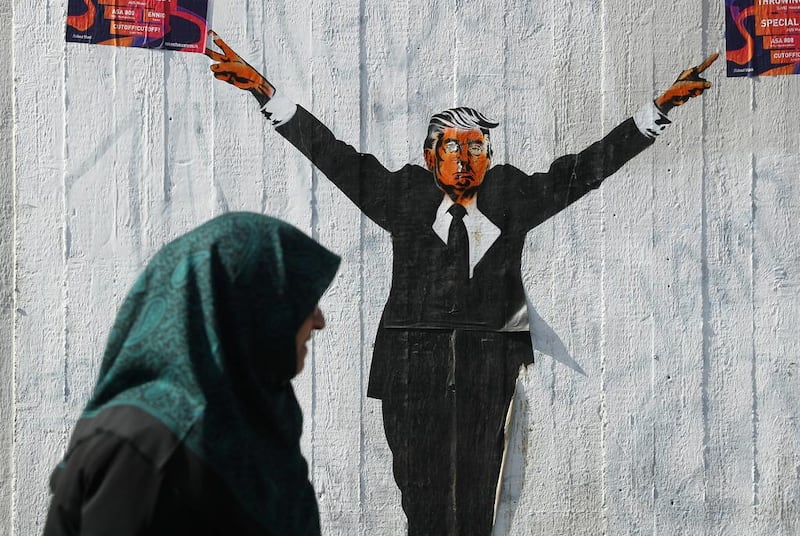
[471,207]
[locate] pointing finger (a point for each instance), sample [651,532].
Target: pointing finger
[227,50]
[216,56]
[707,62]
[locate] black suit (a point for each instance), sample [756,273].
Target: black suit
[427,350]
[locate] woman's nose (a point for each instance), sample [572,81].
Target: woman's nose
[319,319]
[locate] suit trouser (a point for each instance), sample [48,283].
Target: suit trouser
[444,417]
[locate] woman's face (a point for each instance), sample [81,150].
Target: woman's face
[314,321]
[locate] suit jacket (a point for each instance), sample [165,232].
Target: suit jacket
[404,203]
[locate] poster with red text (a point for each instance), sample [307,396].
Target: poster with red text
[762,37]
[168,24]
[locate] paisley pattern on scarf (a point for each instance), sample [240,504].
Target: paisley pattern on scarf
[205,342]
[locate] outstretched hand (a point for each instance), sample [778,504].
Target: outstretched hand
[231,68]
[688,84]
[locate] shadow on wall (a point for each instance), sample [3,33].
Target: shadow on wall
[512,481]
[547,341]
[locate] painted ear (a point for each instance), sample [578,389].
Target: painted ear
[430,158]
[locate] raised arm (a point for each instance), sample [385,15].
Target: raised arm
[361,177]
[573,176]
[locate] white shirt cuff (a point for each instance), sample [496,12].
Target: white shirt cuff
[279,109]
[650,120]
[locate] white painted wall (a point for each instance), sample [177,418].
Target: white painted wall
[6,270]
[674,287]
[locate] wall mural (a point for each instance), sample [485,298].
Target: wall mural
[455,329]
[168,24]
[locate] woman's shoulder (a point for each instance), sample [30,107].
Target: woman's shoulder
[102,483]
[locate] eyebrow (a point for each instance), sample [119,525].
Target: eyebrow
[475,140]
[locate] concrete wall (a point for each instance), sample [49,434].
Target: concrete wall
[674,287]
[6,271]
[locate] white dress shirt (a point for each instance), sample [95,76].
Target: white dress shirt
[482,233]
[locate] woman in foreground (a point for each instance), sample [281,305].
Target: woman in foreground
[193,426]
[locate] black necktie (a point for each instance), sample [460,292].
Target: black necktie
[458,245]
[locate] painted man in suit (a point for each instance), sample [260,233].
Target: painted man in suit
[455,328]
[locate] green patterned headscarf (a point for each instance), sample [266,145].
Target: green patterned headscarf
[205,343]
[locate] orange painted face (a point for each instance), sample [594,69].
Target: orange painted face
[459,162]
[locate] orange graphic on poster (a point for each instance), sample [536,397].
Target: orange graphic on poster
[85,20]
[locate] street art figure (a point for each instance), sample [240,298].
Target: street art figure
[455,330]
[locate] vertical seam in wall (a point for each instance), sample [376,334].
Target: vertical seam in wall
[212,142]
[505,86]
[653,471]
[166,187]
[65,247]
[651,158]
[248,25]
[14,303]
[706,331]
[456,55]
[705,308]
[553,56]
[166,180]
[362,144]
[603,244]
[267,125]
[315,236]
[756,475]
[654,409]
[551,228]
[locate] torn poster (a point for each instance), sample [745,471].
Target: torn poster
[763,37]
[167,24]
